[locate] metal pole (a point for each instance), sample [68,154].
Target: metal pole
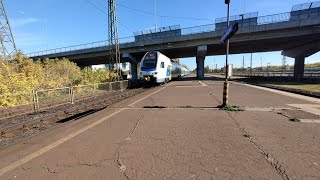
[155,16]
[251,65]
[72,95]
[94,89]
[228,42]
[37,101]
[226,83]
[34,101]
[243,63]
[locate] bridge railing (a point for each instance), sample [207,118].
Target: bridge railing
[275,18]
[277,74]
[198,29]
[261,20]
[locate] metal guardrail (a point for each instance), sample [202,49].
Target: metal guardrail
[262,20]
[40,99]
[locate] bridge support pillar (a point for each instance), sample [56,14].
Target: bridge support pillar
[201,55]
[127,57]
[299,66]
[134,71]
[300,53]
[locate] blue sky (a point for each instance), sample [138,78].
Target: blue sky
[46,24]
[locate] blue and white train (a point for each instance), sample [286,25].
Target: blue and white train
[158,68]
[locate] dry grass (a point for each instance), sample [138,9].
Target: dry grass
[305,87]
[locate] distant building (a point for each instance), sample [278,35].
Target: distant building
[125,68]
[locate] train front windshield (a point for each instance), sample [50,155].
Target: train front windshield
[150,61]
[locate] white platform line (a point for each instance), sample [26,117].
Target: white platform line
[203,84]
[310,121]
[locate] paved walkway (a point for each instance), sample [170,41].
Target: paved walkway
[175,132]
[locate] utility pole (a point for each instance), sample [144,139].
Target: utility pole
[214,64]
[251,65]
[226,83]
[8,46]
[243,63]
[114,49]
[155,16]
[284,63]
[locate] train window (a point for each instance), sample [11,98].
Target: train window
[149,63]
[162,65]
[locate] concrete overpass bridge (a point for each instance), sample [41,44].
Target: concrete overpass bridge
[296,34]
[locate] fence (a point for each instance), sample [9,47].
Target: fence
[278,74]
[46,98]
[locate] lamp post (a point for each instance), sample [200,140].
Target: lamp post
[226,83]
[155,16]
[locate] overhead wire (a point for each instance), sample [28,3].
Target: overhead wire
[98,8]
[118,19]
[151,13]
[104,12]
[163,16]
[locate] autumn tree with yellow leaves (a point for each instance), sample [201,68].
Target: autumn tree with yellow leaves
[22,75]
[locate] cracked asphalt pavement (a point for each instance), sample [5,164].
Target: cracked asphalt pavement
[129,141]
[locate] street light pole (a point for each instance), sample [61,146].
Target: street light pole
[155,16]
[226,83]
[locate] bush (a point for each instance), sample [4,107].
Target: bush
[22,75]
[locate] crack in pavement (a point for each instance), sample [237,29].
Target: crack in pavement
[274,162]
[211,90]
[120,165]
[69,167]
[49,170]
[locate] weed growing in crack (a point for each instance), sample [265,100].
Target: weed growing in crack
[247,135]
[231,108]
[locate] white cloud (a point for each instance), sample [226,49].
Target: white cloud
[23,21]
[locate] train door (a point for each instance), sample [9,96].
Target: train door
[169,72]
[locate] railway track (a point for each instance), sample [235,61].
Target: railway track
[16,131]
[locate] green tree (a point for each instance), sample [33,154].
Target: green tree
[207,69]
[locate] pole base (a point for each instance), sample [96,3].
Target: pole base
[225,93]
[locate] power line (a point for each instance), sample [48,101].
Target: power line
[163,16]
[104,12]
[126,25]
[98,8]
[151,13]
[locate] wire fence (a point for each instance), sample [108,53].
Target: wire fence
[261,20]
[47,98]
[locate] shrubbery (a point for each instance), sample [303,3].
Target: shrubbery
[22,75]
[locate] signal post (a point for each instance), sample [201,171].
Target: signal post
[232,29]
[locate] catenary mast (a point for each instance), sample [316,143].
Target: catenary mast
[114,49]
[8,46]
